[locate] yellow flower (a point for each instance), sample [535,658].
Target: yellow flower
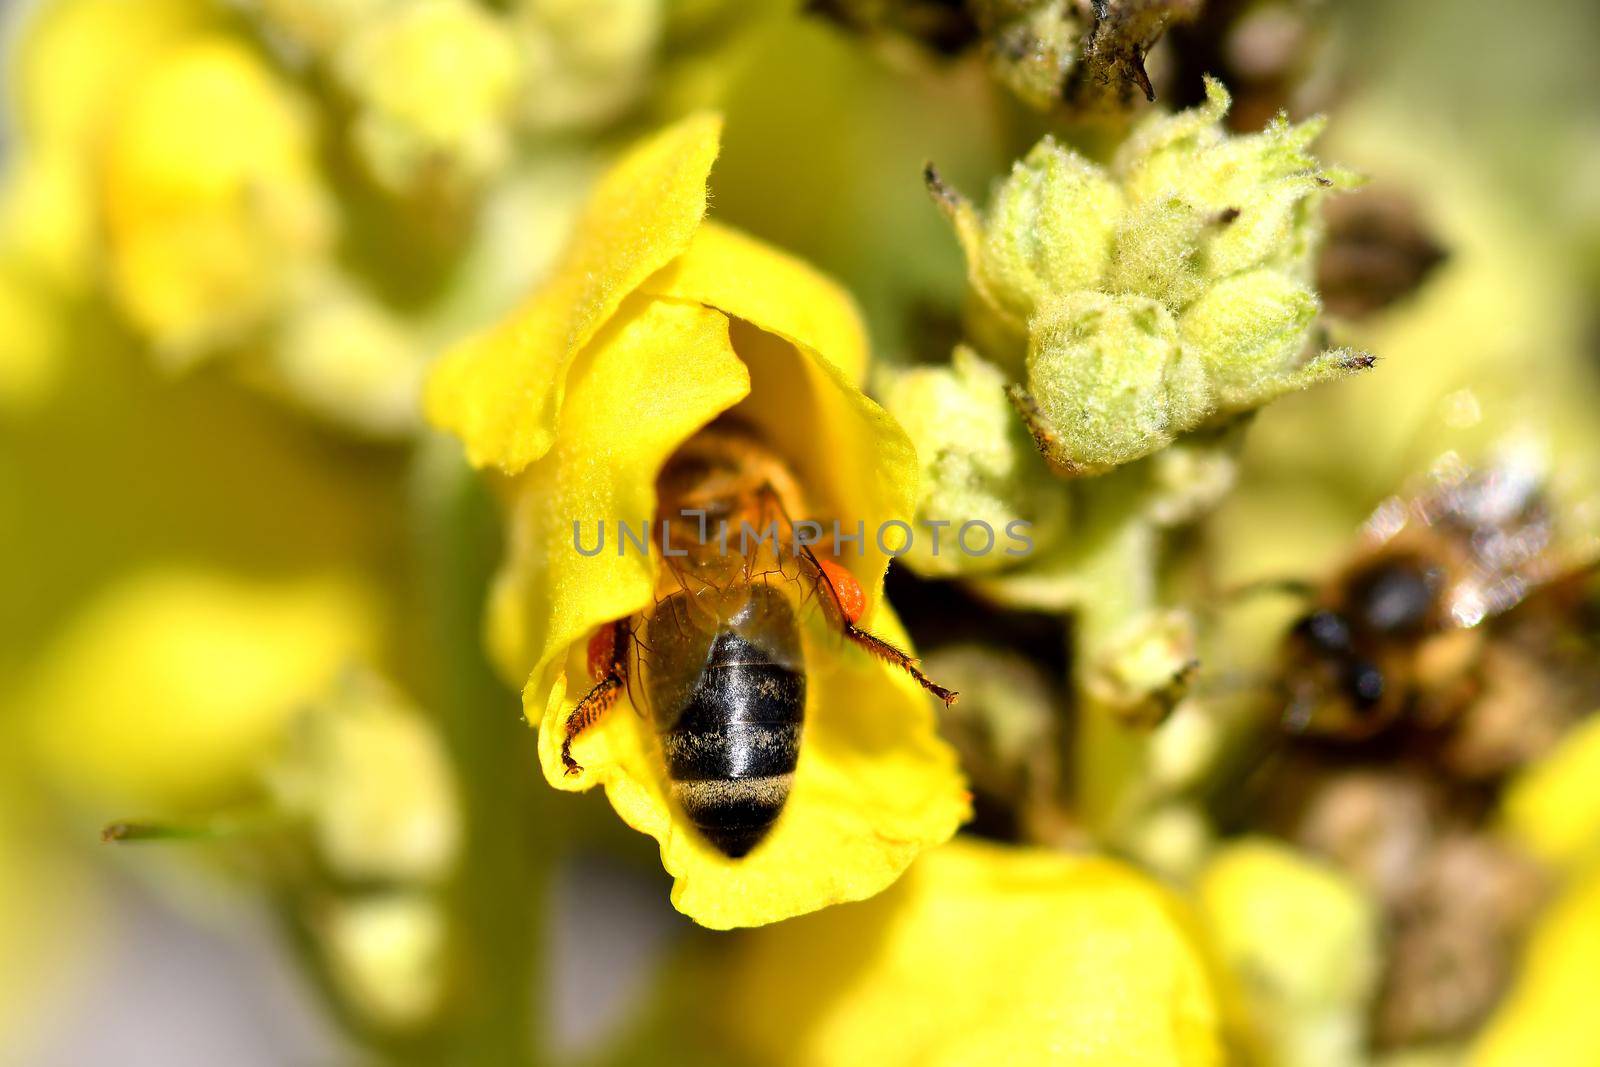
[71,67]
[981,955]
[76,59]
[1548,1017]
[436,80]
[373,782]
[169,691]
[213,208]
[654,324]
[1552,808]
[1306,1005]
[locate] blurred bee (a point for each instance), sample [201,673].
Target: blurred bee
[719,655]
[1405,634]
[1447,652]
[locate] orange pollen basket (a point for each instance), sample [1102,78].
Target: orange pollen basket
[852,601]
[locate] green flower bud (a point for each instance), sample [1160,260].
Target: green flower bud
[1109,380]
[1253,200]
[1146,668]
[1249,330]
[1159,296]
[1049,231]
[977,463]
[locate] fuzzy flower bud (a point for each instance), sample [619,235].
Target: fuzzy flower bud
[345,356]
[437,80]
[977,464]
[1157,296]
[387,955]
[587,60]
[374,783]
[1146,669]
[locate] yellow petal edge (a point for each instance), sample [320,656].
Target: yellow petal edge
[500,392]
[982,954]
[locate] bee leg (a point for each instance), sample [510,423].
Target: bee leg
[844,602]
[877,646]
[608,661]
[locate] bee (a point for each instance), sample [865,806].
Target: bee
[719,658]
[1403,634]
[1448,651]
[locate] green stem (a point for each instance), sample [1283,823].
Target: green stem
[498,901]
[1118,572]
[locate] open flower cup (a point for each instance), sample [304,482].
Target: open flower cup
[654,324]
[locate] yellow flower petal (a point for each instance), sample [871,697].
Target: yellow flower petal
[1305,1006]
[168,692]
[212,202]
[1553,807]
[1548,1018]
[76,59]
[656,374]
[749,280]
[980,955]
[854,459]
[501,392]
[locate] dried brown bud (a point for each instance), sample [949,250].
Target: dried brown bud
[1377,251]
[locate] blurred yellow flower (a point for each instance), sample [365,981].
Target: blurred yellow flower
[436,80]
[587,60]
[169,690]
[388,954]
[981,955]
[373,781]
[655,323]
[347,357]
[1306,1005]
[213,208]
[73,63]
[77,58]
[1552,808]
[1548,1017]
[319,25]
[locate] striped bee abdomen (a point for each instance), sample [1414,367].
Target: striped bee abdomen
[732,741]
